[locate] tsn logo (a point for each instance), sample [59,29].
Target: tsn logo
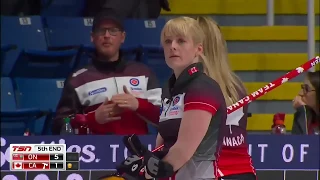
[21,148]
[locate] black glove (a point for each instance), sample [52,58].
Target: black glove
[154,165]
[134,145]
[157,168]
[131,166]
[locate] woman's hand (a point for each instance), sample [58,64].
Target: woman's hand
[297,102]
[126,100]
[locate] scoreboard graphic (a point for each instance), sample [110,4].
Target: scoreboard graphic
[42,157]
[275,157]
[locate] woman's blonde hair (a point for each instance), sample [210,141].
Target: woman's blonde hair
[217,67]
[215,58]
[185,27]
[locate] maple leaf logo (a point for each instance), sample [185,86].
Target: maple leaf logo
[300,70]
[17,165]
[284,80]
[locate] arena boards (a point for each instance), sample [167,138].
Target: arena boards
[286,157]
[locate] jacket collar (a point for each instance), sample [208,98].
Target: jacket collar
[106,66]
[188,74]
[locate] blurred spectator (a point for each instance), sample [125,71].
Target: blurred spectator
[20,7]
[306,118]
[147,9]
[110,75]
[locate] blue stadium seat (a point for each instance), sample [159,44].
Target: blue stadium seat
[153,56]
[24,32]
[8,101]
[14,121]
[68,31]
[63,7]
[34,92]
[4,50]
[42,93]
[37,77]
[145,32]
[44,64]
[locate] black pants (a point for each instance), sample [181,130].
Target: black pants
[246,176]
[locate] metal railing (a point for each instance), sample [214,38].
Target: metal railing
[270,13]
[311,31]
[311,26]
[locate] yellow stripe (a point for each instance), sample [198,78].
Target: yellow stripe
[267,62]
[241,7]
[284,92]
[263,122]
[268,33]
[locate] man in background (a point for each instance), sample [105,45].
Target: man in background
[114,94]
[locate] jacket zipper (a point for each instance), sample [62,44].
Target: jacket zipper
[165,114]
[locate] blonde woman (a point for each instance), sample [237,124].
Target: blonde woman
[193,122]
[193,106]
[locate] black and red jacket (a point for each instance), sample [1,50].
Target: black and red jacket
[87,88]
